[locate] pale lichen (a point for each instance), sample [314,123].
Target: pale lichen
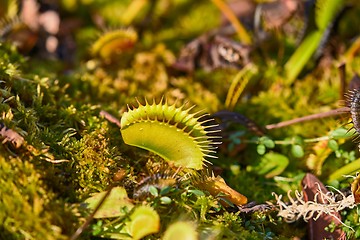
[323,203]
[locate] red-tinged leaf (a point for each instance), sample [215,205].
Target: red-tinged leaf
[354,83]
[355,188]
[316,229]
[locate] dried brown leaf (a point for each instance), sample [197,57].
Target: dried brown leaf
[316,228]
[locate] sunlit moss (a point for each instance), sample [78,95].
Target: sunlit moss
[25,203]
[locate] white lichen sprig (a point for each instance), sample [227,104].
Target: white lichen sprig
[323,203]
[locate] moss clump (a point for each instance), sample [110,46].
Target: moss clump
[27,204]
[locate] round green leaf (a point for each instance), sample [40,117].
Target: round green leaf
[153,191]
[333,145]
[165,200]
[341,133]
[261,149]
[297,151]
[269,143]
[196,192]
[298,140]
[165,190]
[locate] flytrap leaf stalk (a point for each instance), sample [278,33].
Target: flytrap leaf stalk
[182,138]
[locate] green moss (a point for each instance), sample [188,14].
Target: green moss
[26,208]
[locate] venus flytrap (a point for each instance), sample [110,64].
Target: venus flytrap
[114,42]
[178,136]
[182,139]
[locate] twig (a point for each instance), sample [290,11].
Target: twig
[91,217]
[110,117]
[334,112]
[118,176]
